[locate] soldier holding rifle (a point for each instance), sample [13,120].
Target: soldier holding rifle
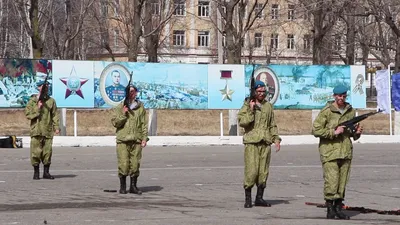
[336,149]
[42,111]
[260,131]
[129,119]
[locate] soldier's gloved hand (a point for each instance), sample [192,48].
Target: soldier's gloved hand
[339,130]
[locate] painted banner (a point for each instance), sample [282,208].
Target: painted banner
[308,87]
[101,84]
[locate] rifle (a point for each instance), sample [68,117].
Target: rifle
[44,88]
[350,124]
[359,209]
[251,88]
[127,90]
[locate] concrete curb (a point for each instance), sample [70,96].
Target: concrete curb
[104,141]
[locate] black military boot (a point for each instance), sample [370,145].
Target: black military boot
[122,182]
[330,209]
[36,172]
[259,198]
[46,174]
[338,209]
[248,203]
[133,188]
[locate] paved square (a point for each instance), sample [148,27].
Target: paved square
[192,185]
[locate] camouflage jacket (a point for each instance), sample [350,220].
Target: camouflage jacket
[130,126]
[44,121]
[333,146]
[259,125]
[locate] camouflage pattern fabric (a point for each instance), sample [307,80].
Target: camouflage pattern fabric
[336,151]
[41,150]
[260,131]
[44,122]
[129,155]
[131,130]
[131,126]
[336,176]
[257,158]
[333,146]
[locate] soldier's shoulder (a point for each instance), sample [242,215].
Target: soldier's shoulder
[140,103]
[33,97]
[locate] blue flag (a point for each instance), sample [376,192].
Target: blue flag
[396,91]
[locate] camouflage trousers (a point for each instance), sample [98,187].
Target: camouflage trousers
[41,150]
[256,164]
[336,175]
[129,155]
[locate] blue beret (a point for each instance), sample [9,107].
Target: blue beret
[340,89]
[258,84]
[40,83]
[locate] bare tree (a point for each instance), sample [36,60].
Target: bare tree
[373,32]
[101,27]
[32,15]
[238,17]
[325,15]
[74,14]
[386,32]
[157,13]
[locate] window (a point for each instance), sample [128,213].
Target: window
[178,38]
[116,38]
[274,11]
[116,8]
[274,41]
[257,40]
[155,8]
[290,41]
[104,8]
[204,8]
[290,12]
[306,42]
[338,41]
[203,38]
[223,41]
[258,10]
[179,6]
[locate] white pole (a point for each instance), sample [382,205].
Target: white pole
[221,119]
[390,101]
[75,124]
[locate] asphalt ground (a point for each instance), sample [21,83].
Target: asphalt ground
[192,185]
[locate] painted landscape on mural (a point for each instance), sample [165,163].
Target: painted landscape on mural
[18,78]
[302,87]
[161,86]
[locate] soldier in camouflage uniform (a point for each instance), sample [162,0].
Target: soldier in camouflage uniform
[131,136]
[260,131]
[336,149]
[44,119]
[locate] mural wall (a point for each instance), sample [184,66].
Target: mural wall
[101,84]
